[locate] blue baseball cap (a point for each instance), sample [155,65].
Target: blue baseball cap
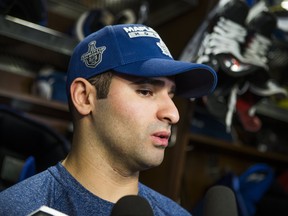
[137,50]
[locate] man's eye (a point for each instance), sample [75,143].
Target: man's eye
[145,92]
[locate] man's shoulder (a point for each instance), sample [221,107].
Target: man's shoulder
[29,185]
[28,194]
[161,204]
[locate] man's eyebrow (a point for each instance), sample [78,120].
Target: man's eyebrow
[148,80]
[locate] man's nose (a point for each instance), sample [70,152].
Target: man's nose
[168,111]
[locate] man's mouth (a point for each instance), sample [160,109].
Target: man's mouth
[161,139]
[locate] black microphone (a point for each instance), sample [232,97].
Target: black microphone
[220,201]
[132,205]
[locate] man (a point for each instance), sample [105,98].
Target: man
[120,84]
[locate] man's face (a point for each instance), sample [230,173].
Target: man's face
[133,123]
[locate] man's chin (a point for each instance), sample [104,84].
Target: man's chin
[153,164]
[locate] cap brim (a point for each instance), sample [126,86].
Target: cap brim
[192,80]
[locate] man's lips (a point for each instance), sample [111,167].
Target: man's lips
[161,139]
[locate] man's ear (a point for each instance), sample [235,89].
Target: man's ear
[82,95]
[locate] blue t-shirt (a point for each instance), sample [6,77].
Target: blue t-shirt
[56,188]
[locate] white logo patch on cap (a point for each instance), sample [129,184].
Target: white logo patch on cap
[140,31]
[93,56]
[164,48]
[144,31]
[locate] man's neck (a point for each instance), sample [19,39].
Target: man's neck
[99,177]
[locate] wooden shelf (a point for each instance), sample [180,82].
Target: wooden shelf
[35,105]
[35,42]
[210,143]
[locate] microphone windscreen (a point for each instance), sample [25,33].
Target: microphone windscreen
[220,201]
[132,205]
